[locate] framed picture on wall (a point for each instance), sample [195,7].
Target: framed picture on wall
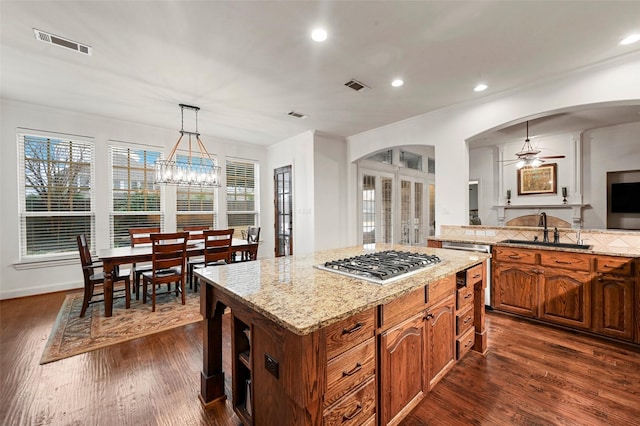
[537,180]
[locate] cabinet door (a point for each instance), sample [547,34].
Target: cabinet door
[566,298]
[613,306]
[515,288]
[441,339]
[403,367]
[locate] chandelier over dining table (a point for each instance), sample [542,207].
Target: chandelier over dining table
[195,168]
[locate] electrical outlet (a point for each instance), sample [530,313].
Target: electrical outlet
[271,365]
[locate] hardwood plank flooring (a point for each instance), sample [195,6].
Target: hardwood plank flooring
[532,375]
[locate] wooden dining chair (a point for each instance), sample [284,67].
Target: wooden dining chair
[218,250]
[195,234]
[93,278]
[168,258]
[140,236]
[253,238]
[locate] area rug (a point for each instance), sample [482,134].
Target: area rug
[72,335]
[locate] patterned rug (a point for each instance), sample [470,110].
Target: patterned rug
[72,335]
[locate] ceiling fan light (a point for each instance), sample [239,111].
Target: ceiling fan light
[535,162]
[520,164]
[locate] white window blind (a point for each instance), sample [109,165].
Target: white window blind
[135,199]
[242,209]
[56,194]
[195,205]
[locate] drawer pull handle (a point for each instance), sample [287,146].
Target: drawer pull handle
[428,317]
[469,343]
[353,371]
[610,266]
[353,329]
[467,320]
[347,417]
[477,276]
[514,256]
[468,295]
[563,262]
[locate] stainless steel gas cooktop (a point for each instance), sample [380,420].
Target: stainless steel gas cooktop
[382,267]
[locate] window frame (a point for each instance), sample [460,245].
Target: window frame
[256,194]
[214,212]
[121,146]
[22,135]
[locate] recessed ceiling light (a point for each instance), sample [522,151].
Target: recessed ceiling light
[319,35]
[630,39]
[480,87]
[397,82]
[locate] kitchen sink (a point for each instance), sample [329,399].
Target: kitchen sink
[549,244]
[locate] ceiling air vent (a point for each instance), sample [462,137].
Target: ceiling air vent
[297,114]
[62,42]
[357,86]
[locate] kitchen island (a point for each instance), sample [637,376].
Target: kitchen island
[313,347]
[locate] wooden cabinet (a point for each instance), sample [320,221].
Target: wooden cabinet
[404,376]
[566,298]
[580,290]
[613,296]
[441,338]
[350,394]
[515,288]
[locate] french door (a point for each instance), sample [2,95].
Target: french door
[394,208]
[412,211]
[283,205]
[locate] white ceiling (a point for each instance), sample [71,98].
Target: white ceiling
[247,64]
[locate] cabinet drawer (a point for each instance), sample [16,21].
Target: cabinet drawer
[464,320]
[347,333]
[345,371]
[402,308]
[464,297]
[564,260]
[474,274]
[509,254]
[614,265]
[438,290]
[355,408]
[465,342]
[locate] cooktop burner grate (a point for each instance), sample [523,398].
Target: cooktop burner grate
[382,267]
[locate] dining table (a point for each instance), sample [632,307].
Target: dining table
[111,258]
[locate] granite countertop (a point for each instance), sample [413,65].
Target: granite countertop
[496,240]
[293,293]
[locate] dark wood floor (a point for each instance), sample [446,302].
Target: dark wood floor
[532,375]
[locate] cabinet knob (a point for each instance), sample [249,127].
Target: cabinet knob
[428,317]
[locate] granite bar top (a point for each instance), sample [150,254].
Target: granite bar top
[301,298]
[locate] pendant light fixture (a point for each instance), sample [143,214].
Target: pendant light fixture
[198,170]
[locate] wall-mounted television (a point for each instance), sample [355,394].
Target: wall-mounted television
[625,197]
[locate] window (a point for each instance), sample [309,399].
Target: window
[195,205]
[56,194]
[135,199]
[241,195]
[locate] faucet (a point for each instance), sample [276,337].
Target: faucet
[543,222]
[556,236]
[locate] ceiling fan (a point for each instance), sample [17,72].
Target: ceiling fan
[528,156]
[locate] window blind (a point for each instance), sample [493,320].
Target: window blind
[241,195]
[55,193]
[135,201]
[196,205]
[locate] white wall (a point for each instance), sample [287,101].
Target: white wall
[608,149]
[18,279]
[330,192]
[298,153]
[447,129]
